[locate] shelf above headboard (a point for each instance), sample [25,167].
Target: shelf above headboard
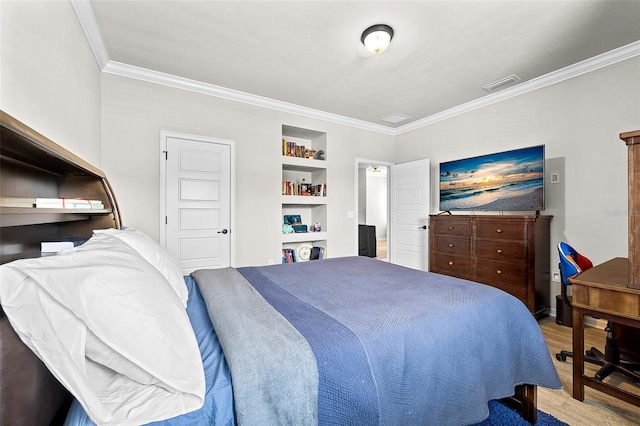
[32,166]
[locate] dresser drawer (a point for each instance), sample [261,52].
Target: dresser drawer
[514,274]
[453,246]
[452,227]
[503,230]
[457,266]
[501,251]
[519,291]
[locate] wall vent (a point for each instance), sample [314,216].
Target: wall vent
[501,83]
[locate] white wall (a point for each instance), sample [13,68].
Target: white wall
[134,113]
[49,78]
[579,121]
[50,81]
[377,204]
[362,196]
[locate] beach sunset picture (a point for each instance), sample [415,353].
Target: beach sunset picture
[510,180]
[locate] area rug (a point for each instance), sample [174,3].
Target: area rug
[501,415]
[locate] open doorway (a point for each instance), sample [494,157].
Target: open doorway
[373,208]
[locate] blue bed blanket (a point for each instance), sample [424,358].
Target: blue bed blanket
[392,346]
[395,346]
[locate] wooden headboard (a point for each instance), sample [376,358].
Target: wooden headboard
[32,166]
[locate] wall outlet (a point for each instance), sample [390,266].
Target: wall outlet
[555,277]
[270,261]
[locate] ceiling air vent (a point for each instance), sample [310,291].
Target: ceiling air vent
[501,83]
[396,118]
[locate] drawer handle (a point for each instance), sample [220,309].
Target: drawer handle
[499,231]
[451,228]
[499,251]
[499,272]
[451,245]
[450,263]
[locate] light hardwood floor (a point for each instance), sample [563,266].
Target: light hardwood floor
[598,408]
[381,250]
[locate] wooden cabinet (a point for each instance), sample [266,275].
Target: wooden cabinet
[632,139]
[32,166]
[508,252]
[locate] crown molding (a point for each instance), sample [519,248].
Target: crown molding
[84,13]
[609,58]
[87,19]
[151,76]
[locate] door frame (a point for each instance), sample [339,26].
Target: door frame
[164,135]
[358,163]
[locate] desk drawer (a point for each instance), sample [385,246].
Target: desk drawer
[453,246]
[457,266]
[501,251]
[514,274]
[502,230]
[452,227]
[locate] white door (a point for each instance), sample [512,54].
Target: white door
[198,201]
[410,208]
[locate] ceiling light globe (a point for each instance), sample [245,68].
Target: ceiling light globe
[377,38]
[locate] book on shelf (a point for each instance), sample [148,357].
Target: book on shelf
[63,244]
[68,203]
[55,246]
[288,255]
[318,252]
[291,149]
[304,189]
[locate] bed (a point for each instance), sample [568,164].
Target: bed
[338,341]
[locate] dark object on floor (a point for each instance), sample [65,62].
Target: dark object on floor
[367,240]
[563,312]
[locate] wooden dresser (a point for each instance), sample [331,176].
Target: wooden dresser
[508,252]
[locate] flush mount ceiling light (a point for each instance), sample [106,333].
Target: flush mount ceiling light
[377,37]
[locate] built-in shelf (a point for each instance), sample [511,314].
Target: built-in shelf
[303,164]
[19,216]
[311,209]
[301,237]
[32,166]
[303,200]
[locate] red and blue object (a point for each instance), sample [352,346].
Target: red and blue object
[571,262]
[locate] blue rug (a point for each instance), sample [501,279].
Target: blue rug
[501,415]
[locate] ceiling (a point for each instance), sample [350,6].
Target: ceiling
[306,56]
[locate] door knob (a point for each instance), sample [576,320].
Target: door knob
[224,231]
[422,227]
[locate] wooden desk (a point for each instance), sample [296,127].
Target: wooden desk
[602,292]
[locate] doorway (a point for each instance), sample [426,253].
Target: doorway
[403,236]
[373,206]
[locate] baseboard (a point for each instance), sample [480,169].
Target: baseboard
[588,321]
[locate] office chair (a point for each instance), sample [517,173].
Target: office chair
[571,264]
